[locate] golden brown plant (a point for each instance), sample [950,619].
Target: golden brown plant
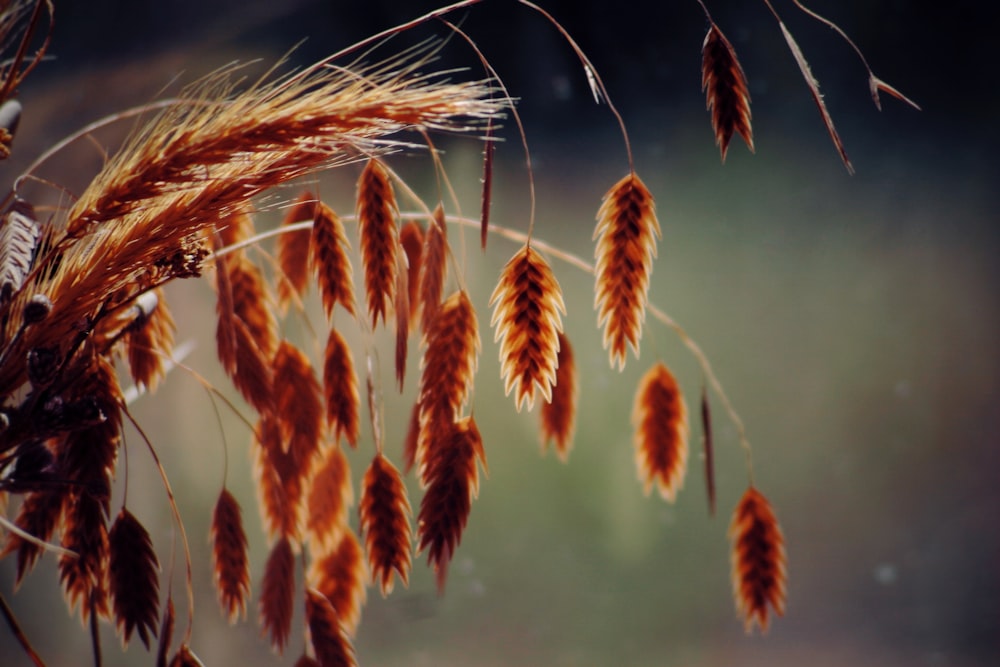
[81,287]
[758,560]
[661,432]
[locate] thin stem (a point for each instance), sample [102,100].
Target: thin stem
[593,77]
[22,639]
[177,517]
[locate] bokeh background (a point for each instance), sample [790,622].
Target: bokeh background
[853,321]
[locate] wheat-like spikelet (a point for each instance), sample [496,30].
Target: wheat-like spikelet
[132,575]
[448,369]
[230,557]
[277,594]
[659,416]
[377,213]
[39,515]
[340,389]
[328,254]
[558,415]
[326,633]
[385,523]
[758,560]
[280,477]
[340,576]
[150,340]
[411,240]
[244,331]
[298,401]
[330,496]
[293,250]
[233,229]
[726,90]
[626,235]
[527,304]
[433,268]
[84,574]
[451,473]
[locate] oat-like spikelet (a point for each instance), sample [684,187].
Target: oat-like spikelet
[19,234]
[433,269]
[38,515]
[451,473]
[293,251]
[150,338]
[233,228]
[340,576]
[527,305]
[340,388]
[330,496]
[385,523]
[659,417]
[132,574]
[230,558]
[281,475]
[558,415]
[85,576]
[448,369]
[244,334]
[411,240]
[377,213]
[726,90]
[328,254]
[298,402]
[758,560]
[326,633]
[626,235]
[277,592]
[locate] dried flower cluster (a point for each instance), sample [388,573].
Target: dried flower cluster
[83,312]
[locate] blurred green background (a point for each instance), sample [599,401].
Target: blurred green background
[852,320]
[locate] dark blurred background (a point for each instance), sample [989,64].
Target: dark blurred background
[853,320]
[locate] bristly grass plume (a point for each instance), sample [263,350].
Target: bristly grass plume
[83,315]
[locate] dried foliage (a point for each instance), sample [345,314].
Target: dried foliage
[626,236]
[326,633]
[81,286]
[150,339]
[339,575]
[340,389]
[133,573]
[448,368]
[277,592]
[385,523]
[450,472]
[330,496]
[726,90]
[377,213]
[293,251]
[411,240]
[558,415]
[661,432]
[528,305]
[230,557]
[328,254]
[433,268]
[758,561]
